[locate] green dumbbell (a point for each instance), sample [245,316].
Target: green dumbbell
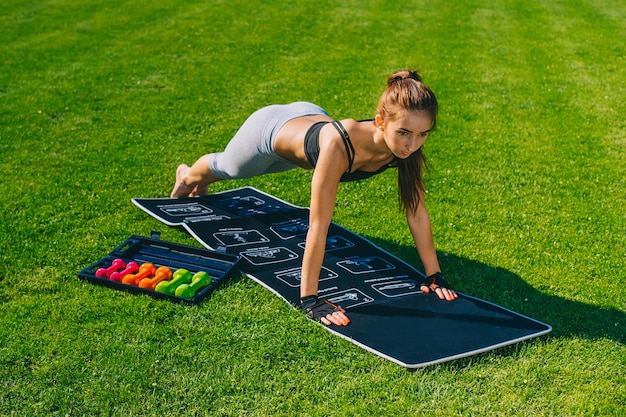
[200,280]
[181,276]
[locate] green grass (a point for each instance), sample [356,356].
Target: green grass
[100,101]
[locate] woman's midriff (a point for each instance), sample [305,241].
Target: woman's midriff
[289,142]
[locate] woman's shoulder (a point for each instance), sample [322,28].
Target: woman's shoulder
[356,124]
[357,127]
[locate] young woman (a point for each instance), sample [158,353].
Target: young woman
[281,137]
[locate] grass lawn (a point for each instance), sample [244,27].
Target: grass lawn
[101,100]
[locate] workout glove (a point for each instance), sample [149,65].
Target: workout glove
[435,281]
[316,308]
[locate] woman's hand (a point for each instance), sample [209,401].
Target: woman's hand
[438,285]
[324,311]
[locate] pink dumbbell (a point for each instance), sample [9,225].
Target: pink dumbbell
[115,266]
[131,268]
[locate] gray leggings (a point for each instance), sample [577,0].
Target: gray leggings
[251,151]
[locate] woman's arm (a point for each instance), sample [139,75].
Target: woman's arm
[331,164]
[421,230]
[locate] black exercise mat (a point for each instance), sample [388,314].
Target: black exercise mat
[389,314]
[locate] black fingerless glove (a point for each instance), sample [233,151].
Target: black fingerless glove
[316,308]
[435,281]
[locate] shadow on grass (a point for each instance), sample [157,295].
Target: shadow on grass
[506,289]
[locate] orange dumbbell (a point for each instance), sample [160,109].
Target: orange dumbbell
[161,274]
[145,270]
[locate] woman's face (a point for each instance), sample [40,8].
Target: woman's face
[407,132]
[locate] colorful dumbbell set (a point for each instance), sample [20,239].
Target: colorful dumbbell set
[180,283]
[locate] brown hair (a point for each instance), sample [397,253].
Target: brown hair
[406,92]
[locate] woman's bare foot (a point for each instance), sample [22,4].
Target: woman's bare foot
[180,188]
[199,190]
